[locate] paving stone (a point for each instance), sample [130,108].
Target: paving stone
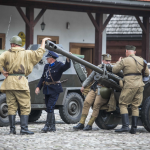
[65,138]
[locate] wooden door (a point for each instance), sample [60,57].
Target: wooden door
[2,41]
[88,56]
[76,50]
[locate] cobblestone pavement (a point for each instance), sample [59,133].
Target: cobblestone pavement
[65,138]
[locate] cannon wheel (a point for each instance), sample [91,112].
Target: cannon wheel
[4,121]
[71,111]
[145,114]
[100,121]
[34,115]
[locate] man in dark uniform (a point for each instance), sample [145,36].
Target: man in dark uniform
[50,81]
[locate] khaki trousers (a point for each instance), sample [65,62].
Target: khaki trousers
[18,97]
[91,98]
[131,97]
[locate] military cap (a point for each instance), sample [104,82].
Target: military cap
[106,57]
[51,54]
[130,47]
[16,40]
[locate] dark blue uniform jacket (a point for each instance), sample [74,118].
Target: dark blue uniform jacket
[56,71]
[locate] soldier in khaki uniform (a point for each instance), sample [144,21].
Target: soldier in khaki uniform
[133,86]
[15,65]
[92,98]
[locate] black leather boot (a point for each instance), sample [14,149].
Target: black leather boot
[87,128]
[24,125]
[52,127]
[79,126]
[134,125]
[47,124]
[12,124]
[125,124]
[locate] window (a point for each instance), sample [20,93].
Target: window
[55,39]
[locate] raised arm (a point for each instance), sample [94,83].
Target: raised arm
[36,56]
[118,66]
[66,66]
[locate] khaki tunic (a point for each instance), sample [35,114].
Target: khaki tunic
[132,92]
[128,65]
[18,61]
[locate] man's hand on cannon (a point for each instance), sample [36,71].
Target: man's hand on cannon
[43,42]
[68,58]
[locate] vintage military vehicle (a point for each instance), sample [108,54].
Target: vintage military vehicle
[70,102]
[104,76]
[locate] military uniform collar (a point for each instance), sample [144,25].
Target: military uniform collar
[131,55]
[13,49]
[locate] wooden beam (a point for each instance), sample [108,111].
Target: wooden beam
[39,16]
[23,15]
[106,22]
[93,20]
[98,39]
[72,7]
[147,40]
[30,28]
[140,23]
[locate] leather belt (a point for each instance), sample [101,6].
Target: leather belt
[16,75]
[49,83]
[133,74]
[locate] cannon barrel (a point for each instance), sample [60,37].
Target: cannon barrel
[53,47]
[109,68]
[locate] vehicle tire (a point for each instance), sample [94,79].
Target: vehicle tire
[71,111]
[100,121]
[145,114]
[4,121]
[34,115]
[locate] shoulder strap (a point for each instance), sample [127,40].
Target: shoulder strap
[144,66]
[137,61]
[13,61]
[50,74]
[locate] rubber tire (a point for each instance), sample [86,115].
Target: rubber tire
[34,115]
[101,124]
[63,110]
[145,114]
[3,121]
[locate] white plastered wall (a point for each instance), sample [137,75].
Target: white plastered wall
[81,28]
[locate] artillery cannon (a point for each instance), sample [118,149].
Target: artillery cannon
[109,120]
[105,78]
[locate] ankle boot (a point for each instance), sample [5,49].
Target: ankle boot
[80,125]
[47,124]
[90,123]
[125,124]
[24,125]
[134,124]
[52,127]
[87,128]
[12,124]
